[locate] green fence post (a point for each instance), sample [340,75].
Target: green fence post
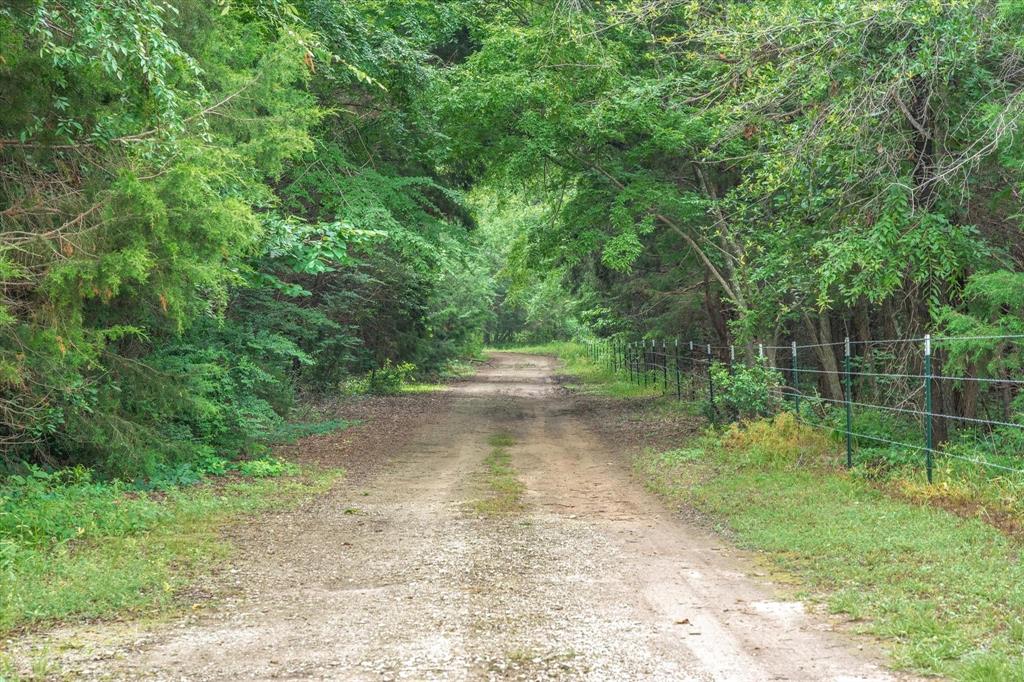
[653,366]
[711,390]
[693,371]
[664,369]
[848,394]
[633,363]
[795,371]
[928,403]
[679,385]
[647,363]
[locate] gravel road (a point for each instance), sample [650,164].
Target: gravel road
[395,576]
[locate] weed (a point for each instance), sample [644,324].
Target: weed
[501,440]
[780,440]
[267,467]
[504,487]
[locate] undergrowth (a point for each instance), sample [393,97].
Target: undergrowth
[72,547]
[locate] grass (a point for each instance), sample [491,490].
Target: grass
[422,387]
[504,489]
[290,432]
[590,375]
[946,593]
[72,548]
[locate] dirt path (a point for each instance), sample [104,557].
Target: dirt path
[396,577]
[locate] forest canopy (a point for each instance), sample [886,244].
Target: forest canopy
[210,208]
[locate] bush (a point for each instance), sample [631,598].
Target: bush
[780,441]
[386,380]
[746,392]
[267,467]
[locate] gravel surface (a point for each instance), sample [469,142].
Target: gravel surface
[392,575]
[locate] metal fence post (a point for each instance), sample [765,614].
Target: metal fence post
[633,364]
[693,367]
[849,407]
[732,359]
[679,386]
[711,391]
[794,370]
[664,369]
[647,362]
[928,403]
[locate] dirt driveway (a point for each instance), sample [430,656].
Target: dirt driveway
[397,576]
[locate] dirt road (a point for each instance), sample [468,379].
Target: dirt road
[396,576]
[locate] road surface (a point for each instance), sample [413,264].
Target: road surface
[398,575]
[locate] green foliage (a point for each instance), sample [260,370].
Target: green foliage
[750,182]
[747,391]
[209,207]
[386,380]
[267,467]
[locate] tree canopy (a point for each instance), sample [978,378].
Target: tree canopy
[208,207]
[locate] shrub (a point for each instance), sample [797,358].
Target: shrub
[267,467]
[781,440]
[746,392]
[386,380]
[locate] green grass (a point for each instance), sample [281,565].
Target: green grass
[422,387]
[290,432]
[501,440]
[945,593]
[72,548]
[504,489]
[593,376]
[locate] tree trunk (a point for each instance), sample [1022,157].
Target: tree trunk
[821,333]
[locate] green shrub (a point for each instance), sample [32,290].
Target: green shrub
[746,392]
[267,467]
[386,380]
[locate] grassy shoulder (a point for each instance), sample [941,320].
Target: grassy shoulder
[590,375]
[946,592]
[72,547]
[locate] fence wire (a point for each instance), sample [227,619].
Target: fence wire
[849,381]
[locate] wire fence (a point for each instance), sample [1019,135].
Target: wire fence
[879,394]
